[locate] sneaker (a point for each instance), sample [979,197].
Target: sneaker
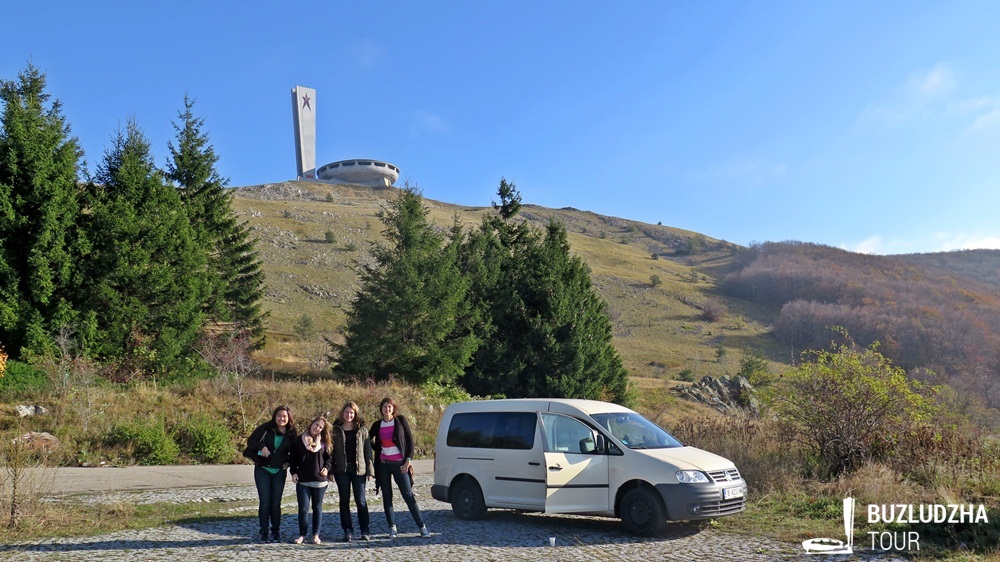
[263,537]
[424,533]
[366,537]
[392,532]
[348,536]
[275,537]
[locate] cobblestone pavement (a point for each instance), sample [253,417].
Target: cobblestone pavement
[503,535]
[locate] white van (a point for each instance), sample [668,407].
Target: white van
[577,456]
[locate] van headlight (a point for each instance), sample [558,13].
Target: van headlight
[692,477]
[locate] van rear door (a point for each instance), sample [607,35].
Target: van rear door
[576,475]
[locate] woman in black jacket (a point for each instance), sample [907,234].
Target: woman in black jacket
[352,466]
[392,441]
[268,447]
[310,466]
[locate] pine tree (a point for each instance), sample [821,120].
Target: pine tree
[236,280]
[549,333]
[39,207]
[407,320]
[147,270]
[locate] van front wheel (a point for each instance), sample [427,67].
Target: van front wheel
[643,512]
[467,500]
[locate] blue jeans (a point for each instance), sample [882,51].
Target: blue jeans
[394,471]
[309,495]
[345,482]
[270,488]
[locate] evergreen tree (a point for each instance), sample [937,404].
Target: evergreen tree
[39,207]
[407,320]
[549,333]
[147,270]
[235,280]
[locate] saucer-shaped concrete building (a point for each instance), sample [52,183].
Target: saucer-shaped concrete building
[360,171]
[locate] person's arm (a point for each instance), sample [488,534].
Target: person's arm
[369,473]
[407,438]
[327,463]
[293,462]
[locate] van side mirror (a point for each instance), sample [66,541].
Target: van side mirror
[587,445]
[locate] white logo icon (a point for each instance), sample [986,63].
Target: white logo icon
[833,546]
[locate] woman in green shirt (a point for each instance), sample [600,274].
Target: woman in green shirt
[272,441]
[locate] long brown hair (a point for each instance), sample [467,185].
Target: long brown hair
[324,434]
[359,420]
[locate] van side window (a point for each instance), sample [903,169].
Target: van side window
[493,430]
[568,435]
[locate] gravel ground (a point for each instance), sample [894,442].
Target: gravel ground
[503,535]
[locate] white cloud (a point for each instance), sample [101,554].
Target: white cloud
[965,241]
[424,121]
[870,245]
[914,97]
[744,171]
[367,53]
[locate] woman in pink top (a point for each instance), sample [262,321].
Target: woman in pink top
[392,442]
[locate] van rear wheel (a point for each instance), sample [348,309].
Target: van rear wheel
[467,500]
[643,512]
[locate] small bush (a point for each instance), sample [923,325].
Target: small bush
[205,440]
[330,237]
[687,375]
[23,377]
[149,442]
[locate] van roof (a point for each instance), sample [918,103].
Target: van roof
[559,405]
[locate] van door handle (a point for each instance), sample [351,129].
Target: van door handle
[534,464]
[555,467]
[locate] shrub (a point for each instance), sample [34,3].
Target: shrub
[849,406]
[23,377]
[330,237]
[205,440]
[149,441]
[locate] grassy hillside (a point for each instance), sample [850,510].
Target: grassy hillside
[659,330]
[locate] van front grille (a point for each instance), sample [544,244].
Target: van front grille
[720,508]
[728,475]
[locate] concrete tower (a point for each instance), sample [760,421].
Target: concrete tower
[304,118]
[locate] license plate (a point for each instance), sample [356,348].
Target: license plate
[732,493]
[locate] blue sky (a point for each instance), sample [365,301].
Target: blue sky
[868,125]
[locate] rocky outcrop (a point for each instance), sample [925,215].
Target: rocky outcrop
[727,394]
[26,410]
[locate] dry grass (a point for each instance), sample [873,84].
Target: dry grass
[658,331]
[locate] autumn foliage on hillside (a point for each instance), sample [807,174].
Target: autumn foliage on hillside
[934,318]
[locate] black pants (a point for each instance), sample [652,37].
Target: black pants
[346,481]
[270,488]
[394,471]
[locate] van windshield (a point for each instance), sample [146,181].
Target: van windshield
[636,432]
